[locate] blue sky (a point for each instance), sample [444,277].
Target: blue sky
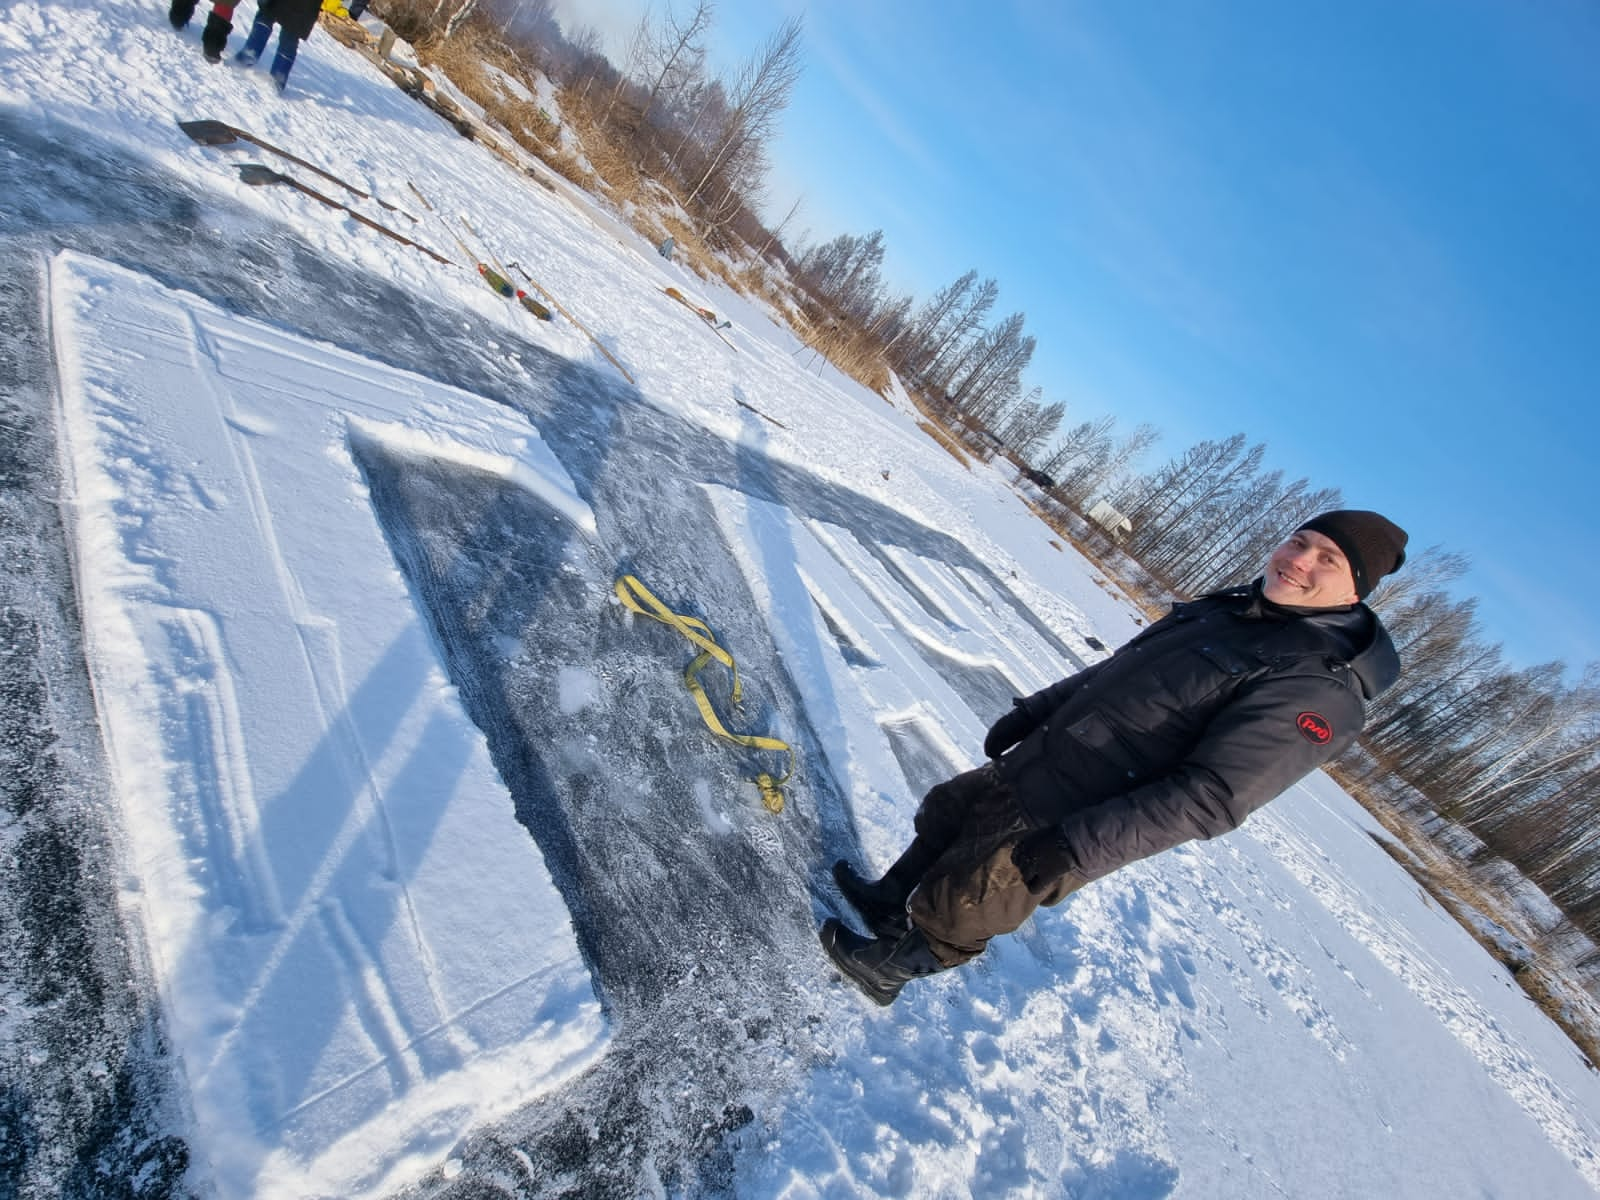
[1367,234]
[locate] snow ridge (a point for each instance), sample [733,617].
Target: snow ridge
[298,781]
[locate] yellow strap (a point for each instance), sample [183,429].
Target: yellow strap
[643,601]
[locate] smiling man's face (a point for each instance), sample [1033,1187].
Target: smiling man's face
[1309,571]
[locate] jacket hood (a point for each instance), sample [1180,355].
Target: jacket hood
[1357,635]
[1375,662]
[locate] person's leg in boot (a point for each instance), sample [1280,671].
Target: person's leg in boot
[214,37]
[283,63]
[975,892]
[180,13]
[254,44]
[880,967]
[960,906]
[882,903]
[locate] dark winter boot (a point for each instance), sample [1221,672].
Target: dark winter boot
[882,903]
[880,967]
[283,61]
[214,37]
[180,12]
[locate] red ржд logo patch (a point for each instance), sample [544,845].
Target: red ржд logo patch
[1315,726]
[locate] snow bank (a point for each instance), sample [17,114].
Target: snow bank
[360,951]
[898,654]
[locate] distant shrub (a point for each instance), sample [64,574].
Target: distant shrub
[412,20]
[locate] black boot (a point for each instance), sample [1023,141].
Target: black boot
[880,967]
[882,903]
[214,37]
[180,12]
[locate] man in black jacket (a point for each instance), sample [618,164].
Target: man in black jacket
[1181,734]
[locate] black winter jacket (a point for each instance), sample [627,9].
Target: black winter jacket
[1196,723]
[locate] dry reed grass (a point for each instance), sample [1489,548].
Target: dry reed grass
[949,443]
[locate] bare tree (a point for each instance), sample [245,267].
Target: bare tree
[1222,468]
[1081,478]
[993,376]
[759,96]
[1081,442]
[944,346]
[675,55]
[528,15]
[450,15]
[587,51]
[846,273]
[1431,570]
[638,48]
[710,104]
[777,232]
[1030,427]
[1148,499]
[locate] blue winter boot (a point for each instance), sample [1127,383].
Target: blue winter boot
[254,44]
[288,47]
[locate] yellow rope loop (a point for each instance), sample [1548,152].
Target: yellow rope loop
[771,793]
[643,601]
[640,599]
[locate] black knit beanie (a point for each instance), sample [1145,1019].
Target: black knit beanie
[1374,545]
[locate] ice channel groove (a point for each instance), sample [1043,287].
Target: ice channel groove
[223,789]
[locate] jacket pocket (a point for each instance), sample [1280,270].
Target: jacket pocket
[1092,732]
[1231,661]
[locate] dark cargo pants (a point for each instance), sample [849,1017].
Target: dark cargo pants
[973,890]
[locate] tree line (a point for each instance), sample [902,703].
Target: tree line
[1512,754]
[948,350]
[707,136]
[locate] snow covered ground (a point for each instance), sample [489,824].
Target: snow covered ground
[358,842]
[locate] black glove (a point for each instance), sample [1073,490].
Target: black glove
[1009,730]
[1042,857]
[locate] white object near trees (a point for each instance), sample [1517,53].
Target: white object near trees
[1112,521]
